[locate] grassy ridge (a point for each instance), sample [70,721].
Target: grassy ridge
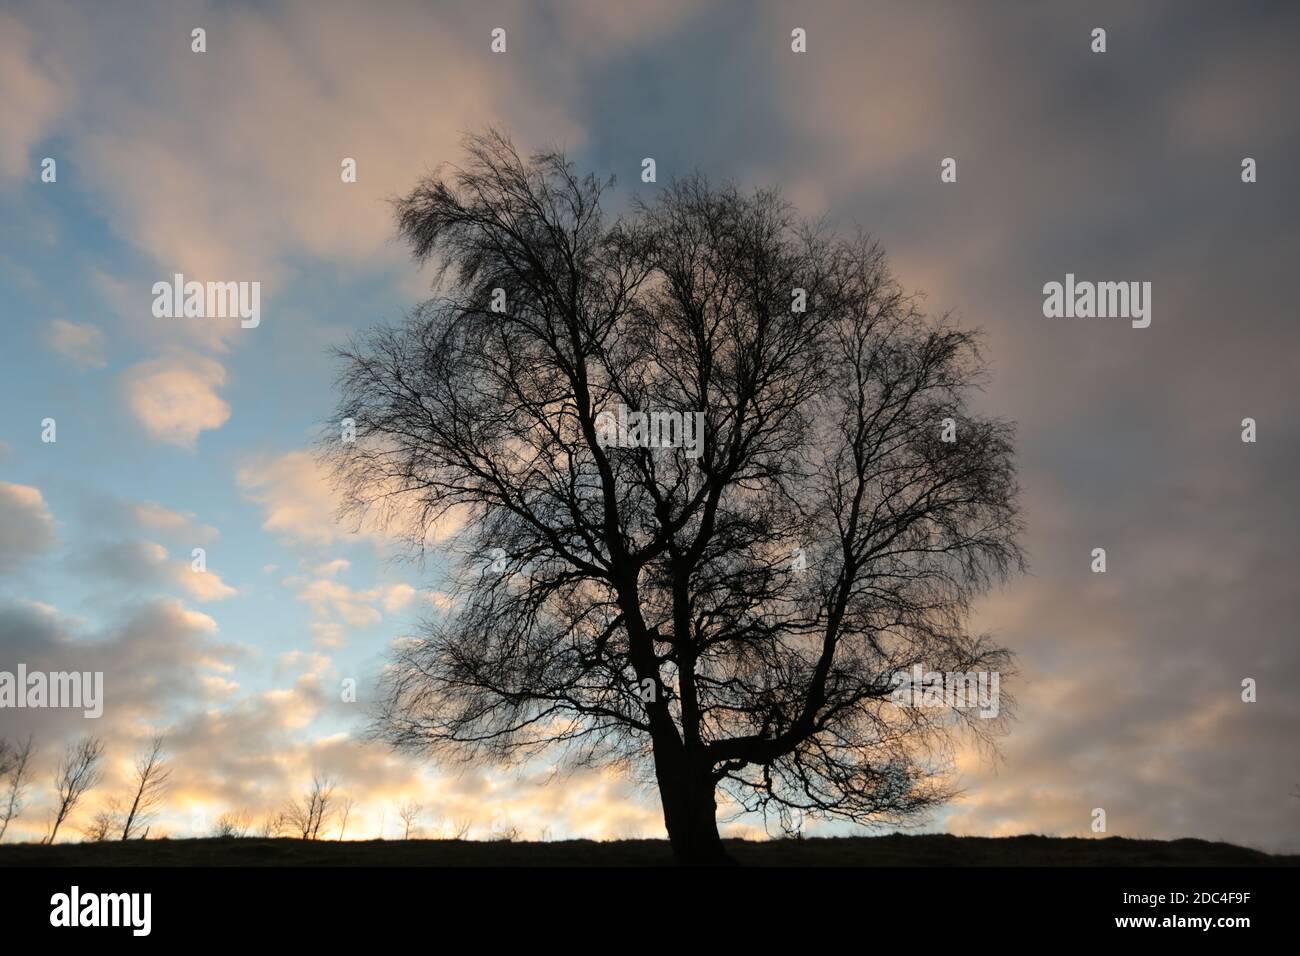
[892,850]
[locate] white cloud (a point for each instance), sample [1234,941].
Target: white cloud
[397,597]
[34,97]
[201,585]
[81,343]
[332,569]
[356,608]
[337,606]
[26,525]
[296,498]
[309,89]
[153,657]
[175,397]
[182,525]
[146,564]
[299,502]
[440,599]
[328,634]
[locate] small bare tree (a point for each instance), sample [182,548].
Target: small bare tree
[410,812]
[233,823]
[307,814]
[345,809]
[152,776]
[104,823]
[505,832]
[77,773]
[15,771]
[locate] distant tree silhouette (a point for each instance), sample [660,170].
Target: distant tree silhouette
[152,776]
[234,823]
[345,811]
[409,813]
[507,832]
[306,815]
[15,774]
[78,772]
[733,618]
[460,829]
[103,824]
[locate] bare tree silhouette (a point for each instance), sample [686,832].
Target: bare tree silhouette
[731,613]
[234,823]
[78,772]
[306,815]
[507,832]
[409,813]
[152,776]
[103,823]
[460,829]
[15,771]
[345,811]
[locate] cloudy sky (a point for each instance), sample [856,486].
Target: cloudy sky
[176,434]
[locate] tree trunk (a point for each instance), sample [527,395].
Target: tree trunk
[690,814]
